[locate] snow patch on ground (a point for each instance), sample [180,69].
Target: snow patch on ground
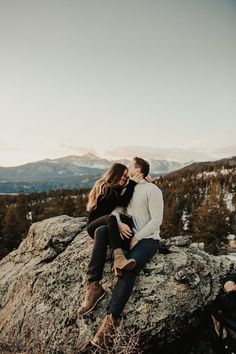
[228,200]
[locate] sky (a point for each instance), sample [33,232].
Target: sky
[116,77]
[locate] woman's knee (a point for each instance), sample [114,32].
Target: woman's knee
[111,220]
[101,233]
[90,231]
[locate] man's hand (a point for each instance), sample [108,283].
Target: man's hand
[230,286]
[133,242]
[125,230]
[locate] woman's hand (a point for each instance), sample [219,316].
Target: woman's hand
[133,242]
[230,286]
[137,176]
[125,231]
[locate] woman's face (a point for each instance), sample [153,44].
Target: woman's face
[124,178]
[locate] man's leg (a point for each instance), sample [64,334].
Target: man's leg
[99,252]
[141,252]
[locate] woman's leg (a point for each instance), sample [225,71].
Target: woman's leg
[92,226]
[115,241]
[114,233]
[98,256]
[113,230]
[94,292]
[117,245]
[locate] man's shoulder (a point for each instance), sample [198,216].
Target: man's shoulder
[148,188]
[152,187]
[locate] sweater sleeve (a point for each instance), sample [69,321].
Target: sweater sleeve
[155,206]
[126,194]
[117,212]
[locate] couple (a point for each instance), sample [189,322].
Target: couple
[125,212]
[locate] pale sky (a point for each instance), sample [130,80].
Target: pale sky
[107,75]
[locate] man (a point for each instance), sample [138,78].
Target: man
[146,209]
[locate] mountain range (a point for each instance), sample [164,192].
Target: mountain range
[68,172]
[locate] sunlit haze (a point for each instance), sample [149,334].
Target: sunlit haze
[117,78]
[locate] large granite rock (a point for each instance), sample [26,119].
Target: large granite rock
[41,287]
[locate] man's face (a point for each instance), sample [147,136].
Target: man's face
[132,169]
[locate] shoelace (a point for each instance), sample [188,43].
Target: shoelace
[106,324]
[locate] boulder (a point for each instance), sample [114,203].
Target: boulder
[41,288]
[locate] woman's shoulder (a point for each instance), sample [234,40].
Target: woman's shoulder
[115,191]
[115,187]
[112,192]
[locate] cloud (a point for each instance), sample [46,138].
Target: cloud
[225,150]
[80,150]
[175,154]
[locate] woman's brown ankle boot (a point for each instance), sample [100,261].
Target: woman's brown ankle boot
[121,262]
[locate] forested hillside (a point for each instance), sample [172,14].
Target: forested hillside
[17,213]
[200,200]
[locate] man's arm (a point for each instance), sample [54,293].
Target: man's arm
[155,205]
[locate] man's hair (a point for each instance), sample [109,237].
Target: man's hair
[143,165]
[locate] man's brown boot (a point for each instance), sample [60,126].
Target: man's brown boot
[103,337]
[121,262]
[93,293]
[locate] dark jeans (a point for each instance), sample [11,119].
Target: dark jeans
[114,238]
[99,252]
[141,252]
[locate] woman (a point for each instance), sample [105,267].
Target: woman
[105,196]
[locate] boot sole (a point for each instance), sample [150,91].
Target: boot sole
[92,308]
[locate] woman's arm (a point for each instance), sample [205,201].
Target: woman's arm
[128,191]
[126,194]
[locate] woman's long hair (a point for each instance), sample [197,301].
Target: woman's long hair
[105,183]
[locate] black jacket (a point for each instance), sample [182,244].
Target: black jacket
[105,205]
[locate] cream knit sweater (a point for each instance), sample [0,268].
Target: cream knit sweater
[146,209]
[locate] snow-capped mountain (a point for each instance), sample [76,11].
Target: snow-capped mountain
[68,172]
[87,160]
[73,166]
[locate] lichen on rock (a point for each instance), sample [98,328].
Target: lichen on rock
[41,288]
